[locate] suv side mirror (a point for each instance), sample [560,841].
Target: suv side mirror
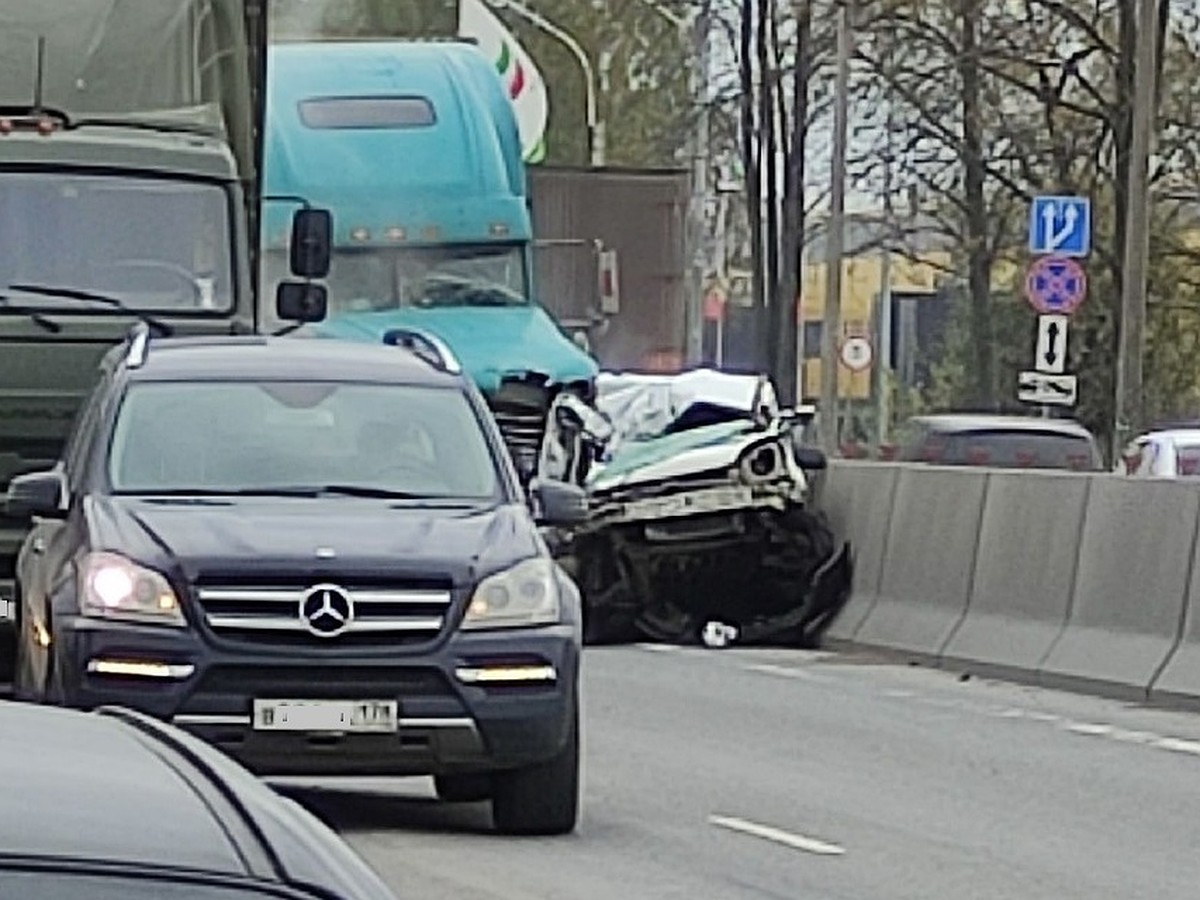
[560,503]
[37,494]
[312,243]
[301,301]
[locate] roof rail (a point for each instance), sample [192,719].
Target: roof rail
[139,345]
[426,346]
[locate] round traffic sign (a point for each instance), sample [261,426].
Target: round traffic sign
[1055,284]
[857,353]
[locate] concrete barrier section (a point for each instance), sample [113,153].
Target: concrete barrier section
[1130,588]
[1024,572]
[857,499]
[1180,678]
[930,559]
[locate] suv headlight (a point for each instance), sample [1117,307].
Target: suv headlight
[114,587]
[525,595]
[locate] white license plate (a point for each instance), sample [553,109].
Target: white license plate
[374,716]
[690,504]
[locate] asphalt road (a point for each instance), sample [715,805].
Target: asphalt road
[775,774]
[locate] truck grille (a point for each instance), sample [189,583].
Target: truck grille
[325,614]
[522,433]
[520,406]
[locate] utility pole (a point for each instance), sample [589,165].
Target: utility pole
[827,409]
[698,202]
[1131,337]
[881,367]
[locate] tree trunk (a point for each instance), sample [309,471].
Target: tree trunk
[769,153]
[979,263]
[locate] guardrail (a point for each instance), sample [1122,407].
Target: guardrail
[1077,580]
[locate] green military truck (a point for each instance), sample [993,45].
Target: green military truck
[130,147]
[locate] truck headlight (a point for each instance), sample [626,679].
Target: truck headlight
[114,587]
[525,595]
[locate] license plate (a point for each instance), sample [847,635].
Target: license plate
[692,503]
[373,716]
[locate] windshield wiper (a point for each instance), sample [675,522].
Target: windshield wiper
[34,315]
[218,492]
[66,293]
[453,290]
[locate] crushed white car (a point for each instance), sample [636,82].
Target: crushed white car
[699,528]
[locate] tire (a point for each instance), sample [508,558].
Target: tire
[541,799]
[463,788]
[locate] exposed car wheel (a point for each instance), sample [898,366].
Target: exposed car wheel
[541,799]
[463,788]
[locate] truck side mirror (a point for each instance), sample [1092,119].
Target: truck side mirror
[312,243]
[301,301]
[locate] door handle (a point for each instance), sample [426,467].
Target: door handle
[39,545]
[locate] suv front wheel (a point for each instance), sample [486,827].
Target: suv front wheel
[541,799]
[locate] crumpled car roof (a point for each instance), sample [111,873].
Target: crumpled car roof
[642,407]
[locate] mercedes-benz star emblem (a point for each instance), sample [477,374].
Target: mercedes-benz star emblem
[326,610]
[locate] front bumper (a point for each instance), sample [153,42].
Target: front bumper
[446,725]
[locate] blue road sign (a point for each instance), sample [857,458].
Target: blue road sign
[1055,285]
[1060,225]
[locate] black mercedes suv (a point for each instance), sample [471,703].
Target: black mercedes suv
[315,555]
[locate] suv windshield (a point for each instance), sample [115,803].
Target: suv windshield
[171,252]
[371,279]
[245,437]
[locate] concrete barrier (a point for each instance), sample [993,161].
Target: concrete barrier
[1179,681]
[1131,587]
[930,559]
[1024,573]
[857,498]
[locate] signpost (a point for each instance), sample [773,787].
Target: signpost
[1051,355]
[1055,285]
[1060,234]
[1047,390]
[1061,226]
[857,353]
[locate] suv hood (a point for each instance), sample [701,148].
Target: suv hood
[490,342]
[269,536]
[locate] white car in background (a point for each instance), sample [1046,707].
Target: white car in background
[1170,453]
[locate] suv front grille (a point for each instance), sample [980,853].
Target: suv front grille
[293,615]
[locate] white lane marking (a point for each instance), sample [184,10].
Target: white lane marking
[1179,746]
[786,672]
[899,694]
[659,648]
[787,838]
[1134,737]
[1043,717]
[1088,728]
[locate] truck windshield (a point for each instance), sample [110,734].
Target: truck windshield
[160,245]
[381,278]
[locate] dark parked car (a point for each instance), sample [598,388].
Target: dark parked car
[316,555]
[999,441]
[113,805]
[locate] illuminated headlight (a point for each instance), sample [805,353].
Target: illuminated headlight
[114,587]
[763,462]
[525,595]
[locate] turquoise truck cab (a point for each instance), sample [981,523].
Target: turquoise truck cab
[414,148]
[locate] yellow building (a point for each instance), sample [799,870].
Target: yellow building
[861,284]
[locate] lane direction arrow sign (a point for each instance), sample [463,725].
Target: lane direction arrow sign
[1050,355]
[1060,225]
